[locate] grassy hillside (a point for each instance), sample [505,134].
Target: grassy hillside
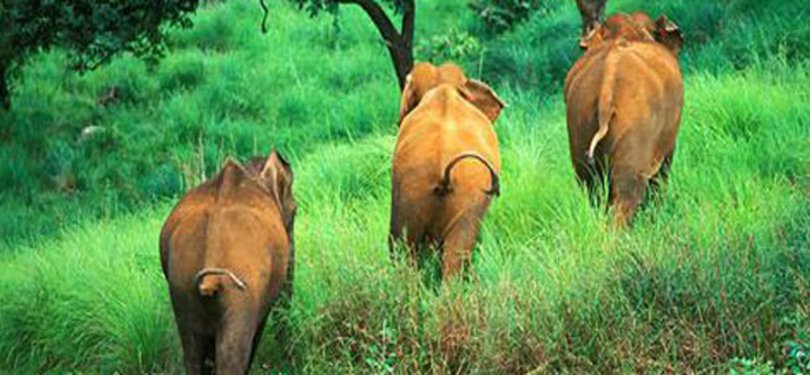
[713,278]
[225,89]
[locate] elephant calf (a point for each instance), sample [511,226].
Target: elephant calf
[623,100]
[446,162]
[227,254]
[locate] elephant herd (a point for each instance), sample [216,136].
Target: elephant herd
[227,248]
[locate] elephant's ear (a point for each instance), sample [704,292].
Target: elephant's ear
[409,98]
[277,175]
[483,97]
[668,34]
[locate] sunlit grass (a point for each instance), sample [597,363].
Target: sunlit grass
[719,269]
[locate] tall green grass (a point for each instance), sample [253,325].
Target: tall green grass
[92,300]
[716,271]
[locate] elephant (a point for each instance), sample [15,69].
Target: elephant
[445,164]
[592,13]
[623,100]
[227,253]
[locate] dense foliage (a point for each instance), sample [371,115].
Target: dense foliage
[92,30]
[718,36]
[502,15]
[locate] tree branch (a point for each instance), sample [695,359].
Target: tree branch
[264,18]
[400,45]
[380,19]
[408,16]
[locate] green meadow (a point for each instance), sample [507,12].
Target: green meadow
[714,277]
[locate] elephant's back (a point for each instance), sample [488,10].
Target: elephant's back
[641,81]
[636,65]
[436,131]
[648,90]
[581,92]
[210,230]
[189,212]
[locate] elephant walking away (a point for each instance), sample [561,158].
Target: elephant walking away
[446,163]
[623,100]
[227,253]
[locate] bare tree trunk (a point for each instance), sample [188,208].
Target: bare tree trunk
[399,44]
[5,95]
[592,12]
[405,65]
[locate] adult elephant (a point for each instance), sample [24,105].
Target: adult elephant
[446,163]
[227,254]
[623,100]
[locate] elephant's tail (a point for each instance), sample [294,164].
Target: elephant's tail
[209,280]
[495,184]
[605,107]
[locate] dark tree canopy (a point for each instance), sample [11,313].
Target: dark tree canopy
[399,42]
[93,31]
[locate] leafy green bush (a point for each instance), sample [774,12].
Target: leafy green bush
[455,45]
[502,15]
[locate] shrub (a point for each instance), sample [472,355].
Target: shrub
[502,15]
[456,45]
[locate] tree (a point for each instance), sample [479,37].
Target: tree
[592,12]
[399,43]
[92,31]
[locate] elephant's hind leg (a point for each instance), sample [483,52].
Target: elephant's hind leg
[408,230]
[458,243]
[395,230]
[235,344]
[626,194]
[591,177]
[403,239]
[660,179]
[257,337]
[196,350]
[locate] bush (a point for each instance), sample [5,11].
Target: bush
[456,46]
[502,15]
